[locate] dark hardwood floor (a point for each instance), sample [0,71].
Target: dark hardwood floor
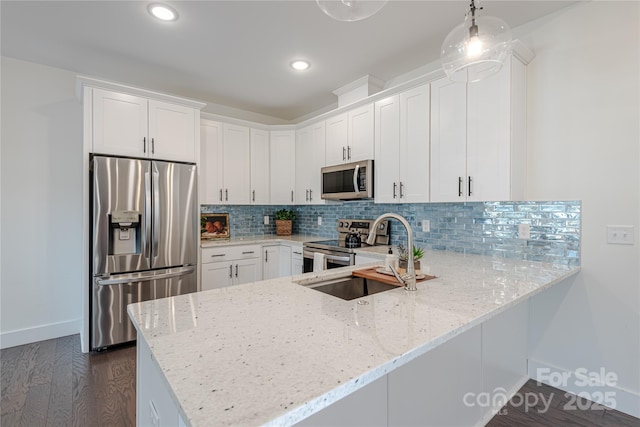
[52,383]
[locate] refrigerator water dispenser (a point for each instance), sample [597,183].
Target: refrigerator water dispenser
[124,232]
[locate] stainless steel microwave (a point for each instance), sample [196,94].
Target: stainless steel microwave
[348,181]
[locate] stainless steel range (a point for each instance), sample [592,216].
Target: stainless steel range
[341,252]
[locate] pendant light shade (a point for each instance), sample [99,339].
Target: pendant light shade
[477,48]
[350,10]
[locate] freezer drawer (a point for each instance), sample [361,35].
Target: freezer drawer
[111,295]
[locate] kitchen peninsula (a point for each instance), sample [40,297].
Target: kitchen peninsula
[275,352]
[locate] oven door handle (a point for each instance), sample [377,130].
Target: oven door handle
[343,259]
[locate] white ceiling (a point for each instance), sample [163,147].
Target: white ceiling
[237,53]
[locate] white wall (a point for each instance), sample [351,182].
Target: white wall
[41,229]
[583,138]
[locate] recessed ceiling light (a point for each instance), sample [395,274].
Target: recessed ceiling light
[162,12]
[300,65]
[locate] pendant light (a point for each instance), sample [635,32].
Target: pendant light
[477,48]
[350,10]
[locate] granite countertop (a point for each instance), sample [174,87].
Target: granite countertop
[275,352]
[262,238]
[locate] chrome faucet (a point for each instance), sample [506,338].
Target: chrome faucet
[409,278]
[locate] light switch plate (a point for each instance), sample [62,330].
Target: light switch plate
[426,225]
[621,234]
[319,220]
[266,220]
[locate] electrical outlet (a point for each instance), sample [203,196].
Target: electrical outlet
[621,234]
[426,225]
[319,220]
[524,231]
[266,220]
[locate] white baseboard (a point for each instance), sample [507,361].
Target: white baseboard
[39,333]
[612,396]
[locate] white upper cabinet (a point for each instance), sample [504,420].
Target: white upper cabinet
[224,163]
[210,183]
[402,147]
[282,159]
[129,125]
[310,152]
[478,137]
[236,164]
[172,131]
[349,136]
[260,167]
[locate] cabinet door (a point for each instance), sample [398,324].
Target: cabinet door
[304,162]
[120,124]
[270,262]
[236,164]
[259,167]
[387,141]
[247,271]
[297,262]
[488,140]
[310,155]
[172,131]
[448,141]
[284,261]
[216,275]
[337,139]
[360,134]
[210,183]
[282,167]
[414,146]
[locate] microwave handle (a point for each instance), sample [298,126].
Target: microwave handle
[356,187]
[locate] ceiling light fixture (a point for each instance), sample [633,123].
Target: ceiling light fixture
[350,10]
[162,12]
[477,48]
[300,65]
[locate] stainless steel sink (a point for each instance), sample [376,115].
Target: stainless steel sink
[349,288]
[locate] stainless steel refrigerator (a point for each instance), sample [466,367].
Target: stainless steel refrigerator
[145,233]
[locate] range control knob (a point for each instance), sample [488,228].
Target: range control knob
[340,224]
[381,227]
[346,224]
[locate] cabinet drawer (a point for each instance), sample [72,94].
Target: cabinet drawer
[227,253]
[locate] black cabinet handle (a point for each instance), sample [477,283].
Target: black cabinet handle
[144,144]
[221,194]
[344,153]
[401,186]
[310,195]
[394,189]
[459,186]
[226,195]
[469,186]
[247,252]
[348,153]
[153,145]
[266,256]
[230,271]
[254,195]
[236,270]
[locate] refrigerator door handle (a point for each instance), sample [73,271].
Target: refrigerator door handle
[137,277]
[156,210]
[146,237]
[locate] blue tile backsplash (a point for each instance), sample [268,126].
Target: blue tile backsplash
[485,228]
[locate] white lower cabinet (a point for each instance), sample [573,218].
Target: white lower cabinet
[154,404]
[230,265]
[297,260]
[448,385]
[276,261]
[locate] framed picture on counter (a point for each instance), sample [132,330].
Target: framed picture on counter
[214,226]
